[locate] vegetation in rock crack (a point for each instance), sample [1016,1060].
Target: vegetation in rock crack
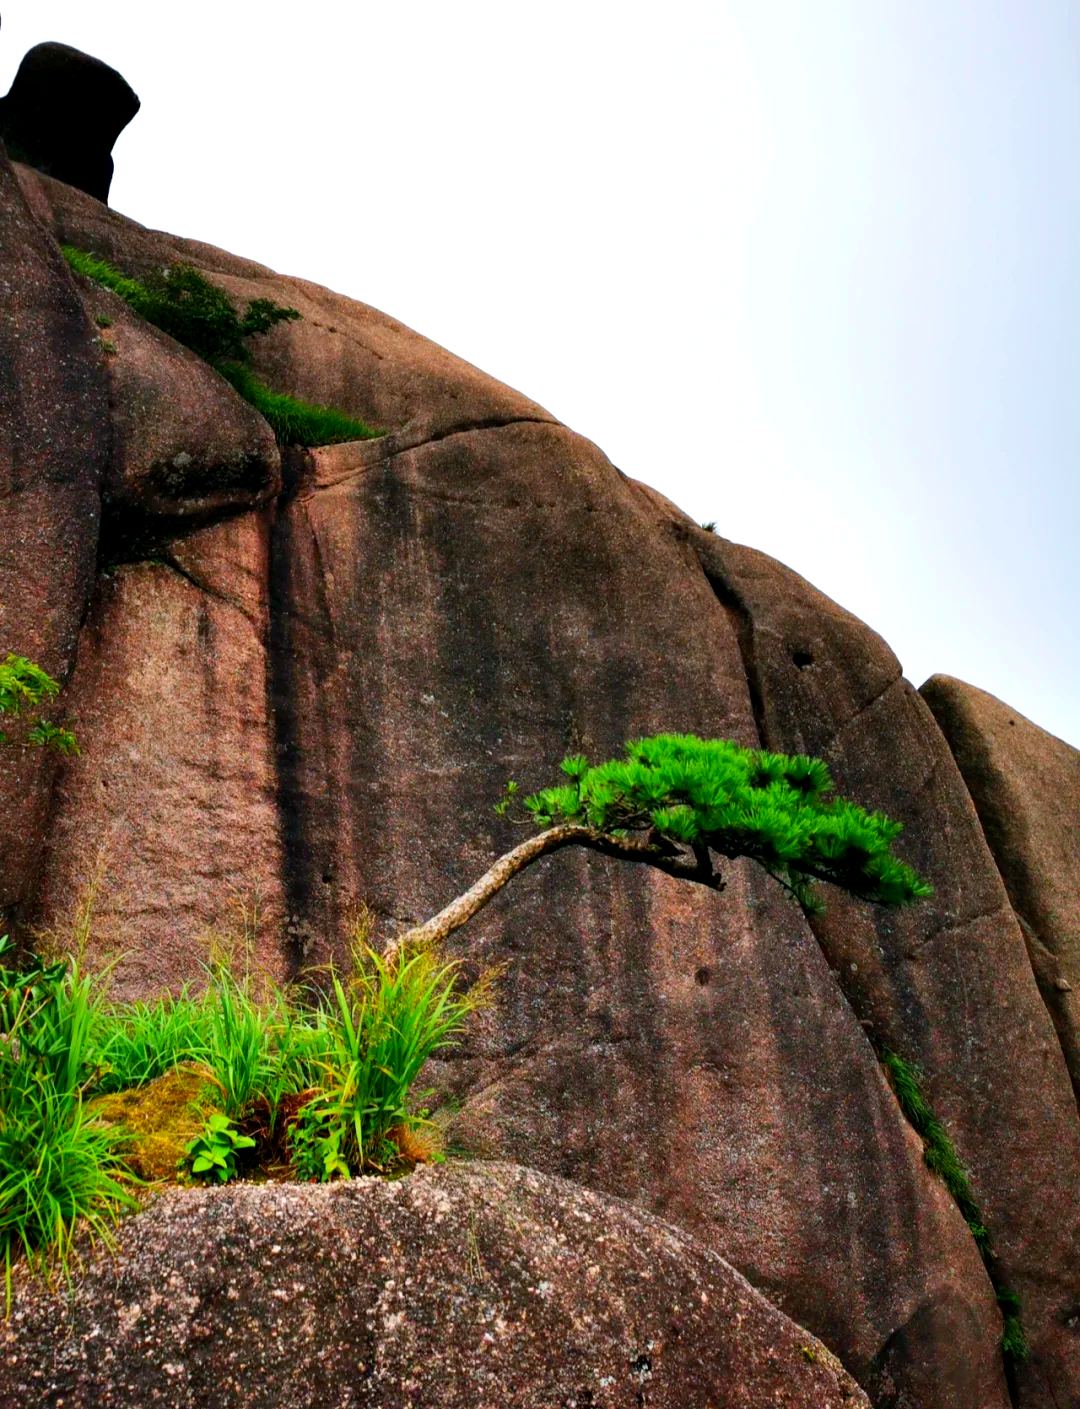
[676,802]
[277,1083]
[941,1157]
[192,310]
[23,686]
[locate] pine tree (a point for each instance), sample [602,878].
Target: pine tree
[678,803]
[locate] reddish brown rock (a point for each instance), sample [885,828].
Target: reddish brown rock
[466,600]
[457,612]
[341,354]
[184,445]
[1025,784]
[172,800]
[946,983]
[53,441]
[462,1288]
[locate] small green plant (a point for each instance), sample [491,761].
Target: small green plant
[186,305]
[295,422]
[212,1155]
[317,1143]
[941,1157]
[709,527]
[24,685]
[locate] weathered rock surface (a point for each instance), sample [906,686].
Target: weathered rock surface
[173,798]
[324,698]
[1025,784]
[185,447]
[470,1287]
[54,434]
[946,983]
[63,113]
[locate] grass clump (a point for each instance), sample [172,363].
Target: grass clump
[242,1077]
[941,1157]
[57,1167]
[295,422]
[192,310]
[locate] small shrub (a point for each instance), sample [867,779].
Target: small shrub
[213,1154]
[22,686]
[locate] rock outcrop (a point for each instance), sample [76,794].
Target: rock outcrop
[54,442]
[63,114]
[316,693]
[461,1288]
[1025,784]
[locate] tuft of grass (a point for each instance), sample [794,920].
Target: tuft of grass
[325,1079]
[192,310]
[386,1020]
[58,1168]
[941,1157]
[295,422]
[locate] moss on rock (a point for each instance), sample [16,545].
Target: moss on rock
[161,1117]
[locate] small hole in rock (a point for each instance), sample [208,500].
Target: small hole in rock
[702,976]
[802,659]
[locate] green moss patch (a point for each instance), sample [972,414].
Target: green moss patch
[160,1119]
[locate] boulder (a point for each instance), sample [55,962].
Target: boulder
[63,113]
[185,447]
[341,353]
[1025,784]
[54,435]
[457,1288]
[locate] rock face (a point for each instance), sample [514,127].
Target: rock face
[54,438]
[64,112]
[1025,784]
[318,693]
[466,1288]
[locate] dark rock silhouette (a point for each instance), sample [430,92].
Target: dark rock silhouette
[321,691]
[63,113]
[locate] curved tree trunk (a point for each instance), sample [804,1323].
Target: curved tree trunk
[647,849]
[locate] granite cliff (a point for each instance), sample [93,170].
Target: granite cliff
[308,674]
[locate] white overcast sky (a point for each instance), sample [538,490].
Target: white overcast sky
[810,267]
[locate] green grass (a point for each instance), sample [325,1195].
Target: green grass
[186,305]
[941,1157]
[342,1067]
[295,422]
[56,1168]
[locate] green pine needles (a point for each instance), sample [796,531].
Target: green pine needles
[713,795]
[941,1157]
[196,313]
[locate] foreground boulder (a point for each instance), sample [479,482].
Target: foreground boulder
[467,1287]
[1025,784]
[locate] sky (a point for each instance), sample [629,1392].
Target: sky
[809,267]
